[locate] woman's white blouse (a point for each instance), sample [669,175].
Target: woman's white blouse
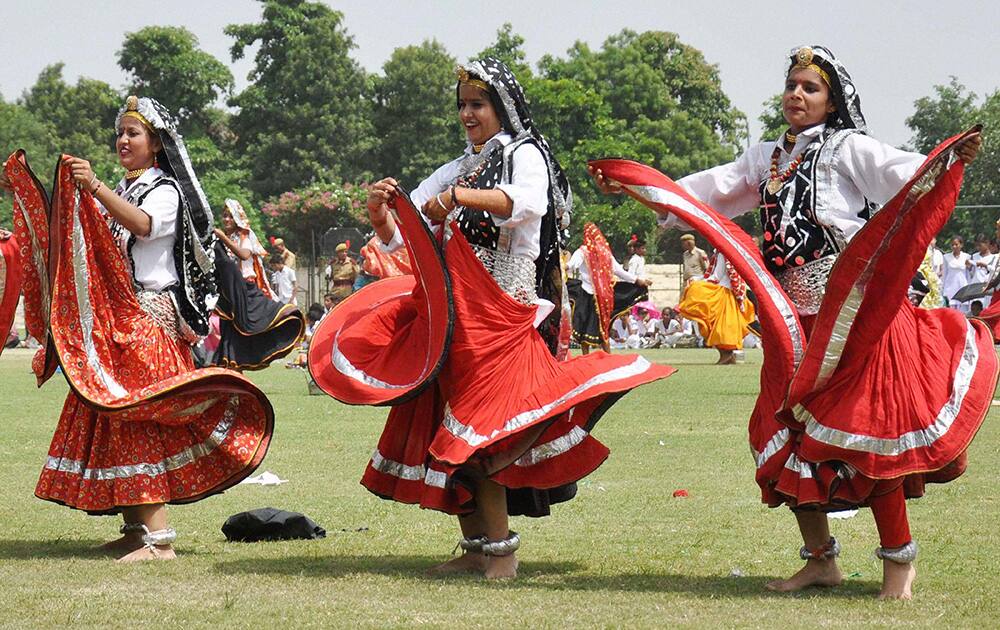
[863,168]
[528,191]
[153,255]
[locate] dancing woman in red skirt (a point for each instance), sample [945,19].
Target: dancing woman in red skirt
[115,286]
[485,417]
[864,397]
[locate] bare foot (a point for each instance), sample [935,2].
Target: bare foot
[158,552]
[465,563]
[726,357]
[122,546]
[897,580]
[815,573]
[501,567]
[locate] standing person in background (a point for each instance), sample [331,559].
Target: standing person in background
[283,280]
[286,255]
[637,262]
[341,274]
[695,259]
[956,273]
[983,261]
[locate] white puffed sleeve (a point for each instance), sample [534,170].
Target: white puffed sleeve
[877,169]
[528,189]
[161,205]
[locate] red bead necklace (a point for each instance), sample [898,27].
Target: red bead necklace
[776,180]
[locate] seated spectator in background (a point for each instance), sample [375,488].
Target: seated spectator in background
[646,332]
[313,317]
[328,302]
[283,280]
[619,332]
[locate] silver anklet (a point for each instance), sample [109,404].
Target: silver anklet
[159,537]
[131,528]
[831,549]
[900,555]
[471,545]
[504,547]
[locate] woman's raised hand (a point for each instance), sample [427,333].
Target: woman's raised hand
[83,174]
[379,195]
[968,149]
[605,185]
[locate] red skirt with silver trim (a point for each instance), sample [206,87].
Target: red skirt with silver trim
[494,379]
[140,425]
[881,394]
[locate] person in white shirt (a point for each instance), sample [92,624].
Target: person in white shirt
[137,260]
[496,213]
[599,300]
[983,261]
[637,261]
[957,269]
[284,280]
[815,188]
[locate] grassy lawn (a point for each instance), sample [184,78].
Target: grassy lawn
[623,553]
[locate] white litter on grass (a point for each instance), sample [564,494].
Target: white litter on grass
[995,403]
[736,573]
[843,514]
[662,443]
[266,478]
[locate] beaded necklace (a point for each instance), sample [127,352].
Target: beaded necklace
[776,180]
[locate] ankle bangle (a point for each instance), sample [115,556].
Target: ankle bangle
[503,547]
[131,528]
[158,538]
[472,545]
[900,555]
[831,549]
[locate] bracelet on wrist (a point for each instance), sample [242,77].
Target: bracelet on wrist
[454,199]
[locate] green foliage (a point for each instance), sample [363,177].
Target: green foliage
[951,110]
[21,129]
[165,63]
[618,219]
[772,119]
[414,117]
[314,209]
[305,117]
[507,48]
[80,120]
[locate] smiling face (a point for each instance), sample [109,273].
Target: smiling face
[136,145]
[228,224]
[956,245]
[806,100]
[476,113]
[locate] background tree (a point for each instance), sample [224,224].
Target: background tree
[415,117]
[507,48]
[164,62]
[950,110]
[80,120]
[305,116]
[21,129]
[772,119]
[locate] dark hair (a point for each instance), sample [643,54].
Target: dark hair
[958,238]
[329,296]
[315,312]
[982,238]
[277,259]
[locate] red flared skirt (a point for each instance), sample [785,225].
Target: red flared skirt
[881,394]
[497,381]
[140,425]
[10,286]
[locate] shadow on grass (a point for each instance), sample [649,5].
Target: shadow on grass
[707,586]
[47,549]
[552,576]
[400,566]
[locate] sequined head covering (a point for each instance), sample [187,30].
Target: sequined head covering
[193,249]
[511,106]
[845,96]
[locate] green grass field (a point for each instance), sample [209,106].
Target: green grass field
[623,553]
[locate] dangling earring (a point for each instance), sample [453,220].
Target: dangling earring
[156,163]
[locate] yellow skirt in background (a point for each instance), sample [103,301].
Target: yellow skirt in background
[722,322]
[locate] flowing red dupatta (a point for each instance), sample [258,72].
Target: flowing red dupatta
[887,388]
[602,275]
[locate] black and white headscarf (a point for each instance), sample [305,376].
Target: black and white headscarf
[194,257]
[848,114]
[493,165]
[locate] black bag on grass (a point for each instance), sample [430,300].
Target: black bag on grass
[270,524]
